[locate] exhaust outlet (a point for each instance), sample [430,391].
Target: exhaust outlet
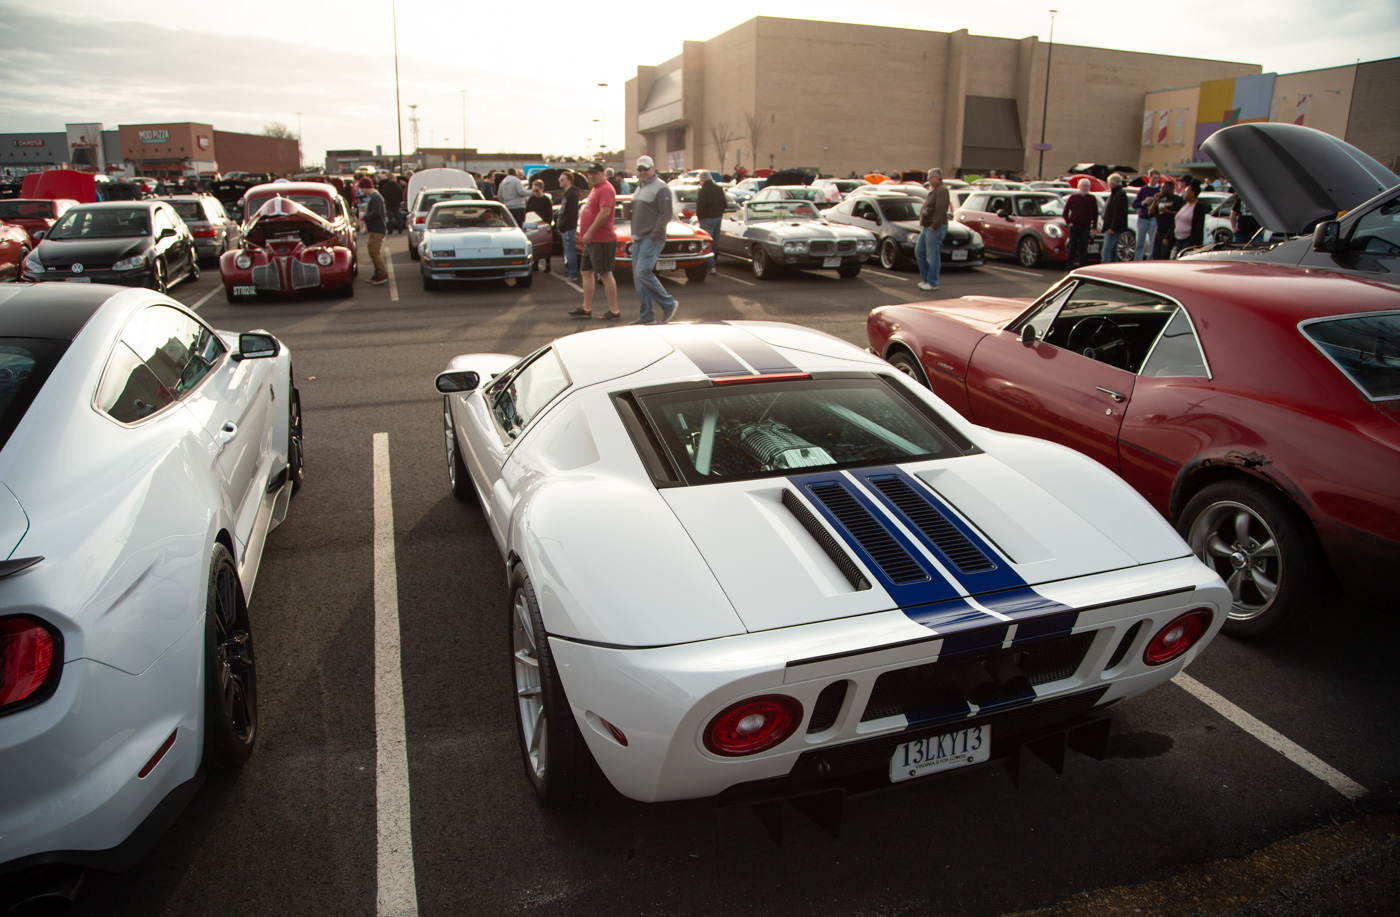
[973,682]
[47,892]
[1006,673]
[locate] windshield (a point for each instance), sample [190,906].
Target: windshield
[1364,347]
[25,364]
[19,210]
[774,428]
[102,224]
[687,195]
[314,202]
[805,194]
[457,216]
[896,211]
[781,210]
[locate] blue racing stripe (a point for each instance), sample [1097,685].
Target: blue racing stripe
[1036,616]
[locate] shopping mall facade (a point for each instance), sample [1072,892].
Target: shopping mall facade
[166,150]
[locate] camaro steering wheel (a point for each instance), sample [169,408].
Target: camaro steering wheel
[1098,337]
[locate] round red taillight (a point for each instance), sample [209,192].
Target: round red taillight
[1178,636]
[753,725]
[29,663]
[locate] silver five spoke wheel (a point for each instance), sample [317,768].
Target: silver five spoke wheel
[528,686]
[1242,548]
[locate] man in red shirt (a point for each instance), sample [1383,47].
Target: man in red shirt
[598,241]
[1081,215]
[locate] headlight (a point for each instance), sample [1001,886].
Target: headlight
[694,245]
[794,248]
[130,264]
[243,262]
[976,240]
[867,246]
[628,250]
[1054,230]
[324,258]
[32,264]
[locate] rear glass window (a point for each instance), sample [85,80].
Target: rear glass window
[762,429]
[25,364]
[465,216]
[20,210]
[432,197]
[900,210]
[1366,348]
[189,210]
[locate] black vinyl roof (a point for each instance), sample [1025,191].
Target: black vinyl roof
[57,311]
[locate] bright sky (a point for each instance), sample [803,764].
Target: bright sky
[530,73]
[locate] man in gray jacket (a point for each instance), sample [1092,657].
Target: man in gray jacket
[512,193]
[651,212]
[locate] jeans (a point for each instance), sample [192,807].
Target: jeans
[1147,228]
[570,255]
[1110,247]
[1078,246]
[928,252]
[649,289]
[711,226]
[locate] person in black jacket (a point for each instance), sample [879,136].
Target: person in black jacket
[1190,221]
[1115,217]
[542,206]
[568,225]
[392,192]
[709,211]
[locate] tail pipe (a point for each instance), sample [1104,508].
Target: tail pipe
[1006,673]
[46,892]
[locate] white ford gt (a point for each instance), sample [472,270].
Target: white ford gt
[752,561]
[144,457]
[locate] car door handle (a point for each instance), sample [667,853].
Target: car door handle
[227,433]
[1116,396]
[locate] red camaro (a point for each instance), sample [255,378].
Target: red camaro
[1257,406]
[288,248]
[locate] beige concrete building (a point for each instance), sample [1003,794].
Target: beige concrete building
[1355,103]
[838,97]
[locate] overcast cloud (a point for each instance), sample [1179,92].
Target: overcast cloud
[242,66]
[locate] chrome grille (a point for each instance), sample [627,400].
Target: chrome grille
[305,276]
[265,277]
[820,248]
[846,247]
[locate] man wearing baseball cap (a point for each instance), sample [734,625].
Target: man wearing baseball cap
[598,241]
[652,208]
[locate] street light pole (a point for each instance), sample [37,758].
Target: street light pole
[1045,109]
[603,120]
[464,126]
[398,109]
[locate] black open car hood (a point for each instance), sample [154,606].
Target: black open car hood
[1293,176]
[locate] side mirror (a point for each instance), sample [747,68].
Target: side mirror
[253,345]
[165,233]
[1028,336]
[1004,214]
[1327,237]
[39,235]
[454,383]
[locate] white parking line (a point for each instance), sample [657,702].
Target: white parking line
[871,270]
[397,887]
[393,283]
[569,283]
[205,298]
[1016,270]
[747,283]
[1278,742]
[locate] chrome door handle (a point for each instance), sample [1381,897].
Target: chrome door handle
[227,433]
[1116,396]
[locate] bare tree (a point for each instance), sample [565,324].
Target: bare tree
[722,135]
[753,120]
[278,129]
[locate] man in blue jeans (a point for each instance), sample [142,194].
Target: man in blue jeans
[933,218]
[651,213]
[1147,219]
[568,225]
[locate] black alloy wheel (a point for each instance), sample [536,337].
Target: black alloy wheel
[296,443]
[557,761]
[889,254]
[230,669]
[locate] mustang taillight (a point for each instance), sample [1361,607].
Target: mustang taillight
[1178,636]
[31,660]
[753,725]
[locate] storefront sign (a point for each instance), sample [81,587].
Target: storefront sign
[154,136]
[29,141]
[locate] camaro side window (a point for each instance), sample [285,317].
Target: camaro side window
[179,350]
[520,395]
[1177,351]
[1110,324]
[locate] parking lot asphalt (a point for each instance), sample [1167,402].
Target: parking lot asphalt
[300,829]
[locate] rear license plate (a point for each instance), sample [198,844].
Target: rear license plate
[960,255]
[1093,248]
[666,265]
[244,290]
[833,261]
[932,754]
[80,280]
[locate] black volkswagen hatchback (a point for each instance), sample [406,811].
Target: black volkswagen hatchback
[133,243]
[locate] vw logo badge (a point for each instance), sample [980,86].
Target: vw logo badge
[77,268]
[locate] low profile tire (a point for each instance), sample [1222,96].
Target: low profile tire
[889,254]
[413,252]
[158,281]
[296,443]
[429,283]
[557,760]
[697,273]
[903,361]
[230,669]
[1028,252]
[457,476]
[763,267]
[846,273]
[1127,245]
[526,281]
[1263,548]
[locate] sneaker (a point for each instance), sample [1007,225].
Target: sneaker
[611,316]
[925,286]
[581,312]
[546,267]
[573,278]
[667,313]
[380,282]
[638,321]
